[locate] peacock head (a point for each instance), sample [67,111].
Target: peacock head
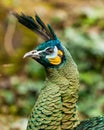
[50,53]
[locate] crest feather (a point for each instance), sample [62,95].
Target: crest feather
[37,25]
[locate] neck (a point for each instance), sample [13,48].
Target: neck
[67,78]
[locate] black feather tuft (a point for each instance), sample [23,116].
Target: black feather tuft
[52,32]
[40,22]
[37,26]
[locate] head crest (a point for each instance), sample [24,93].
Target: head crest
[37,25]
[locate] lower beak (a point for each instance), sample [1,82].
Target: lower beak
[33,54]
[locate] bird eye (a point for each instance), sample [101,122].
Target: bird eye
[49,50]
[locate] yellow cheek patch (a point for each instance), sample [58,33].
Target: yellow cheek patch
[60,53]
[57,60]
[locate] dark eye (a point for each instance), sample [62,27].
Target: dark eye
[49,50]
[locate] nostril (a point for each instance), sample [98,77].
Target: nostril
[34,51]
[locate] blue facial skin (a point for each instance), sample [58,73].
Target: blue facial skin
[43,60]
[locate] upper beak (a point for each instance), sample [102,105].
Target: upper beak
[33,54]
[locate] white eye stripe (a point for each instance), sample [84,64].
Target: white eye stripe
[38,52]
[54,54]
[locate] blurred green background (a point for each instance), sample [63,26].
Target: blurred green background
[80,26]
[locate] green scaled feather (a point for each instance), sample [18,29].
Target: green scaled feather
[95,123]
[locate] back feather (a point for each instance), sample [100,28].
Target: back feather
[37,25]
[95,123]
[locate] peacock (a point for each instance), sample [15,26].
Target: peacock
[55,108]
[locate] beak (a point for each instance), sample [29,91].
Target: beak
[33,54]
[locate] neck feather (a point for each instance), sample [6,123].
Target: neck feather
[67,78]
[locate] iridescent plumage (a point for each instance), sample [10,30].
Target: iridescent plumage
[55,108]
